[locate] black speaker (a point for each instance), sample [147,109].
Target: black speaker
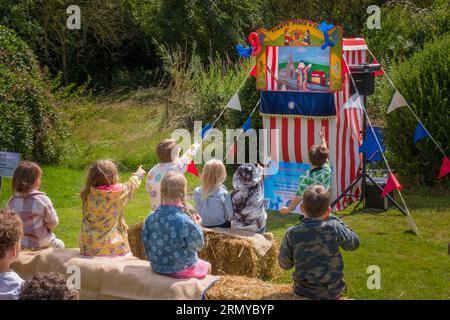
[364,76]
[373,199]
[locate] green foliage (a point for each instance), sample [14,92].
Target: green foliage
[203,91]
[109,48]
[405,27]
[28,123]
[424,82]
[215,26]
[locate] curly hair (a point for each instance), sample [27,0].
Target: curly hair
[10,231]
[47,286]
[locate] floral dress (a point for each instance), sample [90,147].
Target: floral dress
[103,229]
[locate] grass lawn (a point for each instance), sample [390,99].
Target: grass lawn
[411,267]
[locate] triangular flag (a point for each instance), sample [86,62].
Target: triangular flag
[445,168]
[370,148]
[353,102]
[253,71]
[233,150]
[391,184]
[344,67]
[420,133]
[205,130]
[234,102]
[379,72]
[192,168]
[396,102]
[247,124]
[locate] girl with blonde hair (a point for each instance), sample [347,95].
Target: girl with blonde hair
[171,238]
[212,200]
[103,229]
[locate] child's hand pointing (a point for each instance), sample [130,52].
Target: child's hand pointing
[140,172]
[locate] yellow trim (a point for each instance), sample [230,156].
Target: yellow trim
[297,116]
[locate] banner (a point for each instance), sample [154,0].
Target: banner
[280,188]
[8,163]
[311,104]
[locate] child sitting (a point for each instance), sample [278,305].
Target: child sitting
[212,200]
[33,207]
[320,173]
[313,248]
[103,229]
[167,152]
[248,199]
[10,234]
[171,238]
[47,286]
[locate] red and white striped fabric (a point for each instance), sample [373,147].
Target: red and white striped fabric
[298,134]
[272,66]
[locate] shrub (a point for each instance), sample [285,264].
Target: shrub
[28,123]
[424,82]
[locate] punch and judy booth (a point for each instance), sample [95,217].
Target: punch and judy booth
[302,74]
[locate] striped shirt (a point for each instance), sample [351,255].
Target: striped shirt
[38,217]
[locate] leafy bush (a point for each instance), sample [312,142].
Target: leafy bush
[424,82]
[28,123]
[406,27]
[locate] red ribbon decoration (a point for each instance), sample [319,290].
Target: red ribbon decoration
[253,38]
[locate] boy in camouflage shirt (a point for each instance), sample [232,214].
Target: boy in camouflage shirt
[313,248]
[319,174]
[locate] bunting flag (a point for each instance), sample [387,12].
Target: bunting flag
[391,184]
[205,130]
[445,168]
[192,168]
[344,67]
[253,71]
[370,146]
[396,102]
[247,124]
[233,150]
[354,101]
[381,71]
[234,102]
[420,133]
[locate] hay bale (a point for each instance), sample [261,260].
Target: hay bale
[135,241]
[220,250]
[235,256]
[245,288]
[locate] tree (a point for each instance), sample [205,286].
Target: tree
[28,123]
